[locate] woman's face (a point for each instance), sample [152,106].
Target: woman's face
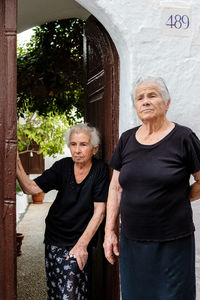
[81,147]
[149,102]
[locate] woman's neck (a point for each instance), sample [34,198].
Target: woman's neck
[81,170]
[152,132]
[153,127]
[82,166]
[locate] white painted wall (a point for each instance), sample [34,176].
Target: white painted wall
[136,28]
[21,205]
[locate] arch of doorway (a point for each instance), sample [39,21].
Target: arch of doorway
[108,16]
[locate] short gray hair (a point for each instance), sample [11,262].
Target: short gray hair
[94,133]
[162,88]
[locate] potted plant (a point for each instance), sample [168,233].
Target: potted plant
[19,238]
[40,135]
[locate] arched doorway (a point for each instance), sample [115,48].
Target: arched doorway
[101,110]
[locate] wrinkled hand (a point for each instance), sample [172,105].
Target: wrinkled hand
[111,247]
[81,255]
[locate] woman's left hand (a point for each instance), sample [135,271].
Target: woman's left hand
[80,254]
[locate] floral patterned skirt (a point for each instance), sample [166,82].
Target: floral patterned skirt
[65,281]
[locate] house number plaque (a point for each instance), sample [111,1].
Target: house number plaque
[177,21]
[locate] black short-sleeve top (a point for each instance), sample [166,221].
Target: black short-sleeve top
[74,204]
[155,202]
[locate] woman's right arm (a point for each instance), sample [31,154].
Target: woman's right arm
[110,245]
[28,186]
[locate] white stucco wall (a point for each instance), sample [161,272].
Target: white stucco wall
[144,48]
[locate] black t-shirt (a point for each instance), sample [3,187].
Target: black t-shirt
[74,204]
[155,202]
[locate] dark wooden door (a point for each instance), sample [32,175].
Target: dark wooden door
[8,145]
[101,110]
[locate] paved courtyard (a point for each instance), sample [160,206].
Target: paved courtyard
[30,265]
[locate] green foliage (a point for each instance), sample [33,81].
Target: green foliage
[50,70]
[45,131]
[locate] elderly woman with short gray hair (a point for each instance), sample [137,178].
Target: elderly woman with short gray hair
[150,188]
[76,213]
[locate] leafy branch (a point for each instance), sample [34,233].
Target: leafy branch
[46,131]
[50,70]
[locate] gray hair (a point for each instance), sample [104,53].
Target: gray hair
[94,133]
[162,88]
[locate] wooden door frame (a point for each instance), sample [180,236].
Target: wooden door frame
[115,95]
[110,59]
[8,146]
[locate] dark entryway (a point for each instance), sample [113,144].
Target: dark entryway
[102,93]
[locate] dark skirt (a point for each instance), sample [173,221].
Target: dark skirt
[157,270]
[65,281]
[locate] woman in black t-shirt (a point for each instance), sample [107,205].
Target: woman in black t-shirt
[75,215]
[150,188]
